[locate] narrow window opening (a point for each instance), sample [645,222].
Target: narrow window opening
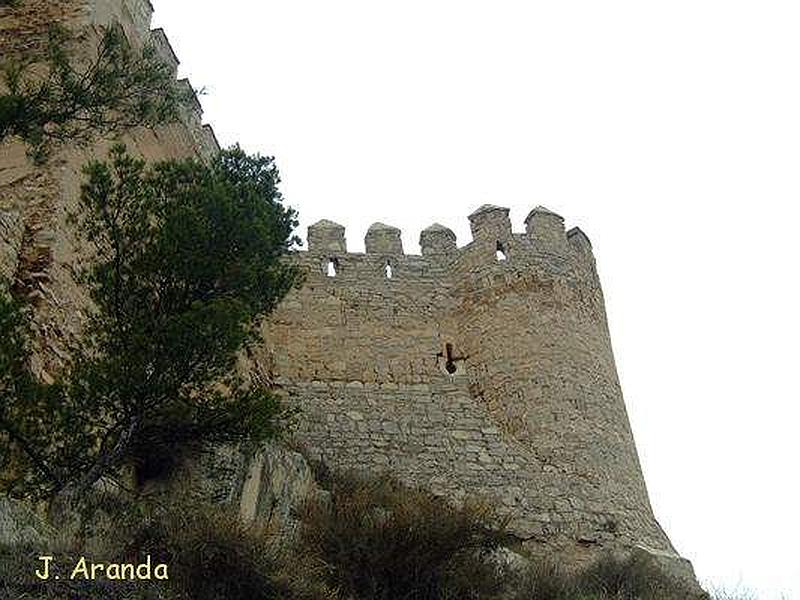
[501,252]
[450,364]
[388,271]
[331,268]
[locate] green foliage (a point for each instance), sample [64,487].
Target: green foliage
[382,540]
[118,88]
[187,261]
[17,387]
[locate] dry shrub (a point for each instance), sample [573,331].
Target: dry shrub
[635,577]
[544,580]
[382,540]
[737,593]
[210,554]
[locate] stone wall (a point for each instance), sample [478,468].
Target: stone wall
[39,249]
[483,370]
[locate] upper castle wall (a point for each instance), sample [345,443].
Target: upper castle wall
[39,248]
[383,315]
[134,15]
[23,34]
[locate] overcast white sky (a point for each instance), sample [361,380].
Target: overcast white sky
[669,131]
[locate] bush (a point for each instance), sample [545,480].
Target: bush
[633,578]
[544,580]
[210,555]
[367,539]
[381,540]
[610,578]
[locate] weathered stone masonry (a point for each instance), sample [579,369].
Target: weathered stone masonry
[461,372]
[483,370]
[39,250]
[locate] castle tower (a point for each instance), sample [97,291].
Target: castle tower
[533,327]
[485,369]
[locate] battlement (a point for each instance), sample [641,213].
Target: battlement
[26,23]
[493,242]
[135,18]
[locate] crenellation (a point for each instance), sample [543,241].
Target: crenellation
[195,108]
[490,224]
[581,248]
[192,117]
[437,241]
[578,238]
[326,237]
[210,143]
[497,250]
[194,112]
[546,229]
[383,239]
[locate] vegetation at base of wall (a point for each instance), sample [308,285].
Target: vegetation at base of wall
[209,553]
[382,540]
[59,99]
[366,539]
[187,259]
[610,578]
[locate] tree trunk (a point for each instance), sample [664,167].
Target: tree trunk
[68,499]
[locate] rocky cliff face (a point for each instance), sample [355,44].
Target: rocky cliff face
[270,485]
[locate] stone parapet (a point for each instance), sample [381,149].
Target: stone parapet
[494,245]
